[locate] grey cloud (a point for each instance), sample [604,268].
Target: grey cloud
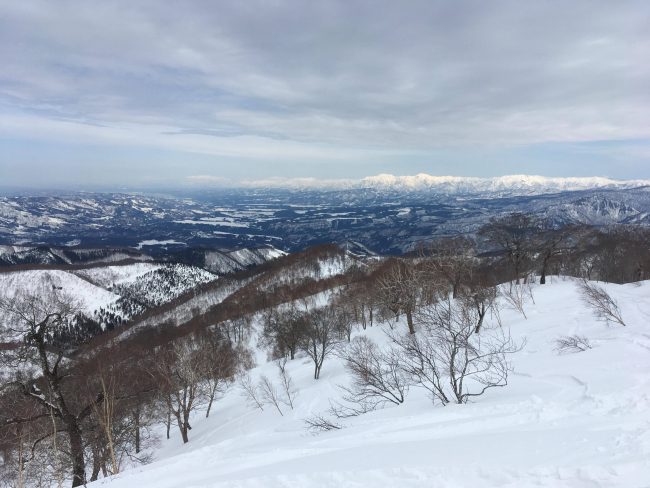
[337,76]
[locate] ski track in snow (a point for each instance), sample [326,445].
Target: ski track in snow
[573,420]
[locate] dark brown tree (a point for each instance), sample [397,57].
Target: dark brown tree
[322,337]
[513,235]
[49,382]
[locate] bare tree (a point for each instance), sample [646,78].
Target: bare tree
[179,371]
[480,293]
[237,329]
[359,300]
[601,303]
[32,324]
[551,244]
[513,235]
[320,423]
[286,382]
[250,391]
[517,296]
[219,363]
[269,393]
[377,376]
[422,362]
[344,323]
[449,359]
[284,330]
[321,337]
[451,259]
[399,287]
[573,343]
[106,417]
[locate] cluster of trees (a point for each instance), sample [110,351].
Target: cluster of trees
[316,331]
[73,415]
[161,285]
[522,245]
[117,313]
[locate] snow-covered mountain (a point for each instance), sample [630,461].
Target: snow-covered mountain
[597,210]
[108,295]
[497,186]
[456,185]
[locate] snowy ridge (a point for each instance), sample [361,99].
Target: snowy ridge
[43,282]
[521,184]
[10,255]
[563,421]
[323,264]
[508,184]
[225,262]
[109,295]
[162,284]
[109,276]
[596,210]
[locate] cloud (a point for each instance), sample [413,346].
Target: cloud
[328,81]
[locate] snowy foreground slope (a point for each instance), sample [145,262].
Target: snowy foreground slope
[572,420]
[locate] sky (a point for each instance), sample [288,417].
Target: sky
[173,93]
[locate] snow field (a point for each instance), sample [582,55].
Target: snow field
[569,420]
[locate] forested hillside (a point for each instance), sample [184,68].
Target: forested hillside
[332,366]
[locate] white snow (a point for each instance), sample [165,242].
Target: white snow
[528,183]
[42,283]
[107,276]
[154,242]
[217,221]
[572,420]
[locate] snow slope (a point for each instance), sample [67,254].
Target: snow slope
[572,420]
[106,293]
[108,276]
[42,283]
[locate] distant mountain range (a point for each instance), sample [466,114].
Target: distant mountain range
[500,185]
[382,214]
[456,185]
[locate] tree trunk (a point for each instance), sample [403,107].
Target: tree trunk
[97,465]
[481,315]
[213,393]
[136,418]
[169,419]
[185,427]
[409,321]
[542,278]
[76,451]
